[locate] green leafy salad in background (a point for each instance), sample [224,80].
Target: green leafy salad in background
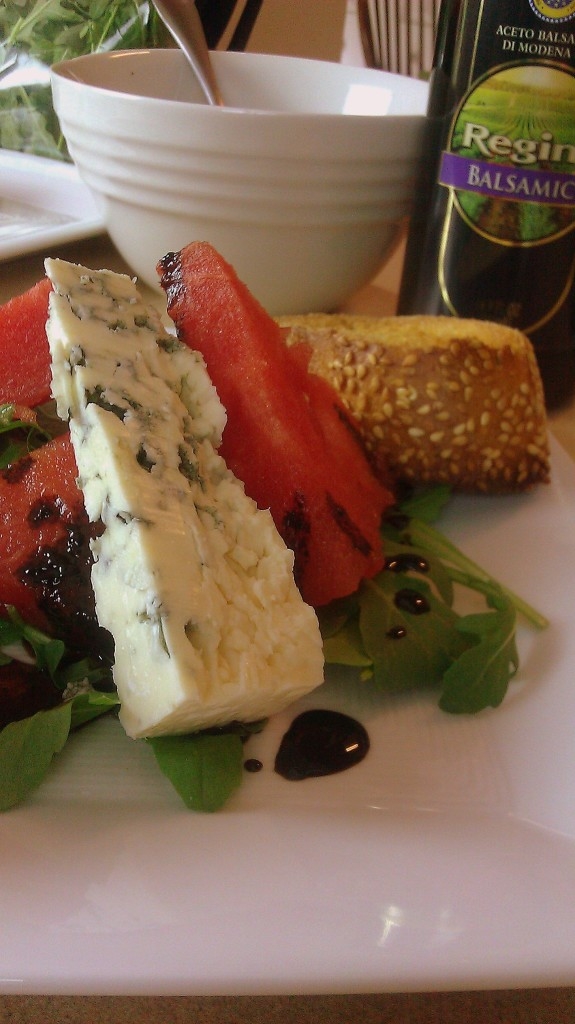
[34,34]
[394,645]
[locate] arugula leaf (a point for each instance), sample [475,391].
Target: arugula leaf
[204,768]
[90,704]
[26,751]
[28,746]
[427,505]
[17,638]
[421,535]
[480,677]
[426,645]
[469,659]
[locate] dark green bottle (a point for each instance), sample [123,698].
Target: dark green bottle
[492,235]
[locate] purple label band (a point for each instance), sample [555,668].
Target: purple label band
[504,182]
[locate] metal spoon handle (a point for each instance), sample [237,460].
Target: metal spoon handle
[182,19]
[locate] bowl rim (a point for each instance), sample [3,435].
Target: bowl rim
[67,71]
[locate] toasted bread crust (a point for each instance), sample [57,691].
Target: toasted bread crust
[442,399]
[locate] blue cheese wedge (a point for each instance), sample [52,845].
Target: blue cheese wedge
[190,577]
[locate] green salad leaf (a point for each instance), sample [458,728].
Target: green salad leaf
[204,768]
[19,638]
[39,33]
[402,628]
[26,751]
[28,745]
[17,437]
[480,676]
[54,30]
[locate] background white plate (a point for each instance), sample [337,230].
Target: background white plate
[42,203]
[445,860]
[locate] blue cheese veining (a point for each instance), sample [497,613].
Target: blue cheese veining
[190,577]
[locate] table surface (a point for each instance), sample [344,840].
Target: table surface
[540,1006]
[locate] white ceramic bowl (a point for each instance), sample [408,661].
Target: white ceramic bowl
[300,183]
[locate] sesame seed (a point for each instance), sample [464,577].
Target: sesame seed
[407,393]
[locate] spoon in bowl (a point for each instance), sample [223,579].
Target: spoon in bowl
[183,21]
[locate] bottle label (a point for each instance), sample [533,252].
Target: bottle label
[510,156]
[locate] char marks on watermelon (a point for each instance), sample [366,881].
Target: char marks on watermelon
[288,436]
[45,559]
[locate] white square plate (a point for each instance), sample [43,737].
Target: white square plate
[445,860]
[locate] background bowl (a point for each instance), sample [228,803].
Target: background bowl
[300,183]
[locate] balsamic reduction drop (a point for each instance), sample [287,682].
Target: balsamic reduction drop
[409,600]
[320,743]
[407,561]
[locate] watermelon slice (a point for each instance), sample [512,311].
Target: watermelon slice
[288,436]
[24,352]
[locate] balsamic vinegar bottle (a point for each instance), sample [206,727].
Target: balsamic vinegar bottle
[492,234]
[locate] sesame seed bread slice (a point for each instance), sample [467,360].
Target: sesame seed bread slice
[441,399]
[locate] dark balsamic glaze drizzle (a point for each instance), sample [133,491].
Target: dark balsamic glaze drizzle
[407,562]
[320,742]
[409,600]
[59,575]
[396,633]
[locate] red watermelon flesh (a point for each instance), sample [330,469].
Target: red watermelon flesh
[288,436]
[24,351]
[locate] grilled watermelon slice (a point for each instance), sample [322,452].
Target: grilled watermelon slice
[288,436]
